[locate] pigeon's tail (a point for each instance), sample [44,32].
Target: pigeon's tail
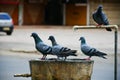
[108,29]
[101,54]
[73,51]
[70,52]
[73,54]
[103,57]
[107,23]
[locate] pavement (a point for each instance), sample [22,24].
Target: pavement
[20,44]
[66,36]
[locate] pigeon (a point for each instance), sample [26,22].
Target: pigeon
[100,17]
[90,51]
[60,51]
[41,46]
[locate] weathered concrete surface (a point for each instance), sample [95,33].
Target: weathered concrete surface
[61,70]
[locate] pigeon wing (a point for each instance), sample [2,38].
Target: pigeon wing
[43,48]
[100,19]
[100,54]
[97,18]
[95,52]
[86,49]
[56,49]
[104,19]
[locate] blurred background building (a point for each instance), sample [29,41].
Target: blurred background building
[59,12]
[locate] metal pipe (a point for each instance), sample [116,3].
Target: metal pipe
[115,27]
[96,27]
[22,75]
[115,57]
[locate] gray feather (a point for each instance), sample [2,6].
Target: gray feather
[43,48]
[40,45]
[100,17]
[61,51]
[89,51]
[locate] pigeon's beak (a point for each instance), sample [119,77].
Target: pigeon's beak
[79,39]
[30,35]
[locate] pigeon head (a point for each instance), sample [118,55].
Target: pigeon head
[36,37]
[52,40]
[51,37]
[82,40]
[100,7]
[34,34]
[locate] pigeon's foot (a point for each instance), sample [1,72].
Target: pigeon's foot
[87,58]
[43,58]
[98,25]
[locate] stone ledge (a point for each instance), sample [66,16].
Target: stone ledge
[73,69]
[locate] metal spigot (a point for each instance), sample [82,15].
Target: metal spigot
[22,75]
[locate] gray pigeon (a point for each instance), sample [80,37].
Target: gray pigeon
[41,46]
[60,51]
[100,18]
[89,51]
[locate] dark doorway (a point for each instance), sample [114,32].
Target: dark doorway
[54,13]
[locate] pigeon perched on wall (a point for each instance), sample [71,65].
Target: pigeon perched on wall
[41,46]
[100,18]
[89,51]
[60,51]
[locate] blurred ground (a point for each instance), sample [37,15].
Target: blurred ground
[20,48]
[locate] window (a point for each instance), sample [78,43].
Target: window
[4,17]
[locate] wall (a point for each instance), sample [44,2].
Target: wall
[33,13]
[10,7]
[76,14]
